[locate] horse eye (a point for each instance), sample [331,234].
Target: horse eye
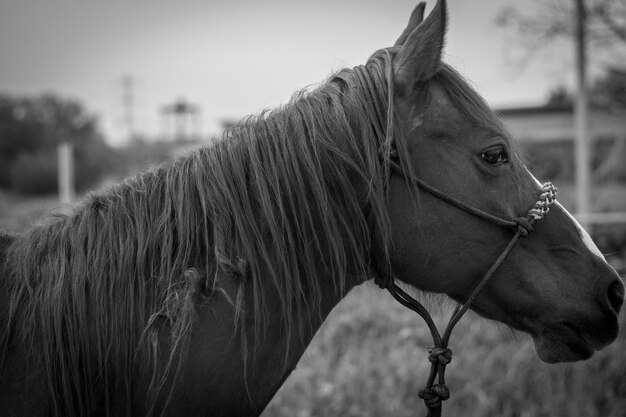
[496,156]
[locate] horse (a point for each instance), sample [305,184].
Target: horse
[195,287]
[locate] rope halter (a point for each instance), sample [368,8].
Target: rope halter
[440,355]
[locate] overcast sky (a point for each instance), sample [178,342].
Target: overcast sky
[234,58]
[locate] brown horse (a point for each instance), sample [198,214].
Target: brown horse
[194,289]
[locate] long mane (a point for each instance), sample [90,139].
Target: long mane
[271,204]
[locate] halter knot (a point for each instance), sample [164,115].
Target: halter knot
[524,227]
[383,281]
[440,354]
[434,395]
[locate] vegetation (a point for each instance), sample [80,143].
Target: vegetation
[30,130]
[370,359]
[32,127]
[543,23]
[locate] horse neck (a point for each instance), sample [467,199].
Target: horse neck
[272,349]
[313,178]
[243,367]
[278,357]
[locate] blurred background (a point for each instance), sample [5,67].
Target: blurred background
[91,92]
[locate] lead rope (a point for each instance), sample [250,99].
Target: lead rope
[440,355]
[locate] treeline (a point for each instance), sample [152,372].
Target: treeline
[32,127]
[30,130]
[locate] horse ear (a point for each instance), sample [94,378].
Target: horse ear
[416,18]
[420,55]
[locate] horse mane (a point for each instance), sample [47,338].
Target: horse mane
[271,204]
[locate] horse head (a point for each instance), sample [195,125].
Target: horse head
[555,285]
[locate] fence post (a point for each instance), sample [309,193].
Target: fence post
[66,172]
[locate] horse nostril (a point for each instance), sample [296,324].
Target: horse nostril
[616,295]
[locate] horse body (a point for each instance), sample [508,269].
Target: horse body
[220,386]
[224,385]
[194,289]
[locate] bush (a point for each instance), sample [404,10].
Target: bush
[30,130]
[34,172]
[140,155]
[92,162]
[37,172]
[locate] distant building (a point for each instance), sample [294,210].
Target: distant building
[556,123]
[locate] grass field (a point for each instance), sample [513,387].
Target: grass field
[369,358]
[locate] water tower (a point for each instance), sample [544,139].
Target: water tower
[180,121]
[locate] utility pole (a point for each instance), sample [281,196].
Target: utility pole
[581,148]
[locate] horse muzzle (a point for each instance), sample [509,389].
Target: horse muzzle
[576,336]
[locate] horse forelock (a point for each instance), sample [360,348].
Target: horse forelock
[277,191]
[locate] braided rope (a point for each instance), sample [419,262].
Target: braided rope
[546,199]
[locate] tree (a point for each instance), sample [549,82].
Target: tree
[604,23]
[555,19]
[607,91]
[27,124]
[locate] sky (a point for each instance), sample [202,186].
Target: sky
[233,58]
